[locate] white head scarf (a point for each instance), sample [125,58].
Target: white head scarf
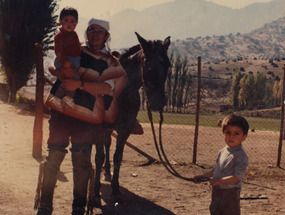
[104,24]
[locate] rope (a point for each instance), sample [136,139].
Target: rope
[159,147]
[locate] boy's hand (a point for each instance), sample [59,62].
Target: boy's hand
[67,64]
[215,182]
[200,178]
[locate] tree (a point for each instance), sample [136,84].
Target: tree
[22,24]
[259,89]
[269,99]
[187,97]
[275,94]
[177,69]
[235,87]
[245,96]
[169,82]
[182,83]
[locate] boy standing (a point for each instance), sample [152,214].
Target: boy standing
[227,175]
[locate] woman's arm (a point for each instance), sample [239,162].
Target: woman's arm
[97,88]
[71,84]
[112,72]
[88,74]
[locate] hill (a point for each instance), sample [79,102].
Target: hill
[263,43]
[182,19]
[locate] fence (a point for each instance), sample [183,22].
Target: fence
[185,143]
[263,145]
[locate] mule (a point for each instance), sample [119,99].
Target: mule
[145,64]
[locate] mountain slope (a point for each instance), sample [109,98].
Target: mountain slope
[182,19]
[264,43]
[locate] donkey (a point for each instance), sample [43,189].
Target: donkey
[146,64]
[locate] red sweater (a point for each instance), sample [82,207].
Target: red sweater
[66,44]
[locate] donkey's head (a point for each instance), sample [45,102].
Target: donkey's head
[155,70]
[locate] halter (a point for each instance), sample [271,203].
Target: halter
[159,147]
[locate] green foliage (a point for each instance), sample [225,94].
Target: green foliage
[169,82]
[268,97]
[254,91]
[176,70]
[182,83]
[178,84]
[22,24]
[259,89]
[24,100]
[246,92]
[277,92]
[235,88]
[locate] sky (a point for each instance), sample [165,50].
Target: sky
[105,8]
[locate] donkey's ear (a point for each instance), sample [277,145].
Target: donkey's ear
[142,41]
[166,43]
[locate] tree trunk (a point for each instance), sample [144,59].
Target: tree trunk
[12,92]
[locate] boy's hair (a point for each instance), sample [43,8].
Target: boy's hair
[68,11]
[234,120]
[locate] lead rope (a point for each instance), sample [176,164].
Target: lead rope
[159,147]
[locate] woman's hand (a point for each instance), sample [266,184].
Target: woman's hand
[71,84]
[68,72]
[96,88]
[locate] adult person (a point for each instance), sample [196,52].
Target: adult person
[100,73]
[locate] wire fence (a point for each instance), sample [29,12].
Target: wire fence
[261,146]
[178,133]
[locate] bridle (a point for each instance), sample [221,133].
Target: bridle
[159,146]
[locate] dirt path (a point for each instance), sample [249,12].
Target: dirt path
[148,190]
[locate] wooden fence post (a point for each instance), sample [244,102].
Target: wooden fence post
[281,121]
[39,104]
[197,113]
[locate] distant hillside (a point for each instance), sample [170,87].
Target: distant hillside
[183,19]
[264,43]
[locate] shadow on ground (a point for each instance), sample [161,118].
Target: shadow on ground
[133,204]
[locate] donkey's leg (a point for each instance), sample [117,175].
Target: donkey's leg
[107,165]
[118,156]
[99,161]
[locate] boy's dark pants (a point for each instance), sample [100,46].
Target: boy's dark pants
[225,201]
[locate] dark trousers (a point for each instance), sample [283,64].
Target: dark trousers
[225,201]
[64,129]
